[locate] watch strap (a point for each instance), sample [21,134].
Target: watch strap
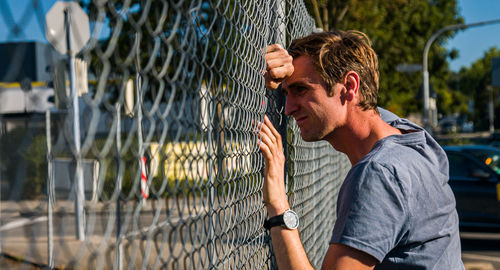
[274,221]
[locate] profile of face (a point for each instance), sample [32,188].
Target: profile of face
[317,114]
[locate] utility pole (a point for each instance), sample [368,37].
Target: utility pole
[425,72]
[491,109]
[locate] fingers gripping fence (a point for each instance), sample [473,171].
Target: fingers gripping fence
[171,167]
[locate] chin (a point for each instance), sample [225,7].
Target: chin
[310,137]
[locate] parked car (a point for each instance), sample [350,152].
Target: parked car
[475,181]
[495,139]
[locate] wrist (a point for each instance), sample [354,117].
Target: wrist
[288,220]
[277,208]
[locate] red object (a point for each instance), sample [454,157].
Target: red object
[144,179]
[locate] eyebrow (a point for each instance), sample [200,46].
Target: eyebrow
[294,85]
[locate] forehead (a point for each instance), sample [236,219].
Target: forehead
[304,73]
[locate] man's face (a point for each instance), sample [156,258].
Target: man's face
[316,113]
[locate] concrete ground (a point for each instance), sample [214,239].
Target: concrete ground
[24,243]
[153,238]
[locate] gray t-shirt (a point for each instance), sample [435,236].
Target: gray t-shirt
[396,205]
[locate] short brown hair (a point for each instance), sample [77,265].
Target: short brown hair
[338,52]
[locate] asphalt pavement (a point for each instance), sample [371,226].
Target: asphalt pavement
[23,237]
[480,249]
[155,238]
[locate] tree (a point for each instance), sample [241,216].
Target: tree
[399,30]
[473,82]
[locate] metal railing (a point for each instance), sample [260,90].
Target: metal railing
[170,165]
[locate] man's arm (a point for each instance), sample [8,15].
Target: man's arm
[288,248]
[344,257]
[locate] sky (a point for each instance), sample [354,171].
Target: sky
[471,43]
[22,13]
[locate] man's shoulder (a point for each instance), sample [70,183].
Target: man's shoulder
[396,121]
[398,161]
[395,150]
[386,115]
[371,170]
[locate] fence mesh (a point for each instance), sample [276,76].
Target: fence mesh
[155,163]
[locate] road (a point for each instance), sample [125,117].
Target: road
[481,250]
[180,237]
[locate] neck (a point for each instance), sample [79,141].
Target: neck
[360,133]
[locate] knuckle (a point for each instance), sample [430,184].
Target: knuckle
[274,73]
[274,84]
[270,63]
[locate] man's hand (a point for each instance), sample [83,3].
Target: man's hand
[278,66]
[274,186]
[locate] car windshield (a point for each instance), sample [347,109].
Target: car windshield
[490,157]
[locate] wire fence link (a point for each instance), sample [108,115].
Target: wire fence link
[169,94]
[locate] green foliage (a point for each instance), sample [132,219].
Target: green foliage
[24,163]
[399,30]
[473,82]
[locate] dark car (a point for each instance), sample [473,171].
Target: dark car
[495,140]
[475,181]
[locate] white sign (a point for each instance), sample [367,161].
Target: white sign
[56,32]
[408,67]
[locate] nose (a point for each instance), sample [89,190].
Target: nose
[291,105]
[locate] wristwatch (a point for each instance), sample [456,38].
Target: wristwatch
[288,220]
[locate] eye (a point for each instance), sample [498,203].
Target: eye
[300,90]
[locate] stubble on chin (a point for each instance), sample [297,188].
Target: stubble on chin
[309,136]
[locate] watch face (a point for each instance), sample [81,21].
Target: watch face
[291,219]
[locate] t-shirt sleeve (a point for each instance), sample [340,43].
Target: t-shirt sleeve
[372,211]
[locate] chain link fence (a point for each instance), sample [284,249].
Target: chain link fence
[155,163]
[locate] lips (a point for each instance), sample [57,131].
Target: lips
[300,120]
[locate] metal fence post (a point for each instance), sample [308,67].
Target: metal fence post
[119,244]
[280,10]
[80,196]
[50,196]
[212,179]
[138,86]
[276,100]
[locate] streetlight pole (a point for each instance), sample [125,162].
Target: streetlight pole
[425,72]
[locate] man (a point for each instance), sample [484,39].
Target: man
[395,209]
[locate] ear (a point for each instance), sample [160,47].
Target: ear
[351,83]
